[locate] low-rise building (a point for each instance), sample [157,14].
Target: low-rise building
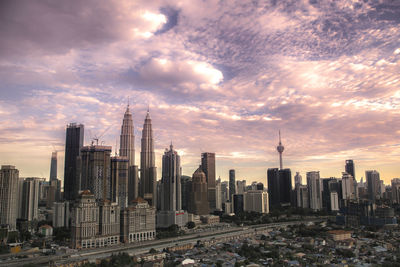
[339,235]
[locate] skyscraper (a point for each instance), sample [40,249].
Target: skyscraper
[349,168]
[273,187]
[127,150]
[29,204]
[297,179]
[171,181]
[208,167]
[373,181]
[73,145]
[218,195]
[285,186]
[53,166]
[314,190]
[95,171]
[280,149]
[8,196]
[199,197]
[119,176]
[232,184]
[148,173]
[127,138]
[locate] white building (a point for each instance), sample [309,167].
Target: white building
[348,188]
[257,201]
[314,190]
[29,202]
[334,201]
[61,214]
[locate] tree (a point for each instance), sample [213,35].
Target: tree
[190,225]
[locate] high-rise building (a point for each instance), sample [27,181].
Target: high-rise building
[186,184]
[138,222]
[232,184]
[238,203]
[127,150]
[199,197]
[29,204]
[280,149]
[257,201]
[127,138]
[396,190]
[224,191]
[95,171]
[218,196]
[61,214]
[348,188]
[314,190]
[73,145]
[273,187]
[329,186]
[85,222]
[208,167]
[260,186]
[373,182]
[171,192]
[240,187]
[53,166]
[109,223]
[148,173]
[298,179]
[285,186]
[302,200]
[9,177]
[119,176]
[171,181]
[349,168]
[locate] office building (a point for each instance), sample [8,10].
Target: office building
[240,187]
[302,200]
[273,187]
[225,192]
[349,168]
[9,177]
[396,191]
[109,223]
[285,186]
[148,173]
[127,150]
[334,201]
[329,186]
[232,184]
[314,190]
[186,184]
[373,184]
[29,202]
[238,203]
[119,178]
[73,145]
[256,201]
[208,167]
[53,166]
[218,195]
[138,222]
[95,171]
[199,197]
[348,188]
[171,199]
[61,214]
[298,180]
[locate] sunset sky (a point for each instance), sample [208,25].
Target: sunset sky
[218,76]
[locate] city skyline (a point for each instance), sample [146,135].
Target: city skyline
[220,78]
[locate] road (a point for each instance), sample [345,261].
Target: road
[143,247]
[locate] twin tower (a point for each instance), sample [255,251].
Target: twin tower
[146,188]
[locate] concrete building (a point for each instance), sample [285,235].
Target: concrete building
[285,187]
[329,186]
[314,190]
[348,188]
[127,150]
[240,187]
[29,202]
[119,176]
[85,222]
[61,214]
[53,166]
[186,185]
[349,168]
[138,222]
[298,180]
[396,190]
[148,172]
[171,199]
[9,177]
[238,203]
[218,195]
[302,200]
[95,171]
[257,201]
[109,223]
[334,201]
[199,197]
[373,184]
[73,145]
[225,192]
[208,167]
[273,187]
[232,184]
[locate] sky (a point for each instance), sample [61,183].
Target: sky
[218,76]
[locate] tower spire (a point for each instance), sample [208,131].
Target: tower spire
[280,149]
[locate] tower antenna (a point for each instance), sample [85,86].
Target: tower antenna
[280,149]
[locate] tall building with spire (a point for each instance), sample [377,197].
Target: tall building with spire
[171,181]
[127,138]
[280,149]
[148,172]
[127,150]
[53,166]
